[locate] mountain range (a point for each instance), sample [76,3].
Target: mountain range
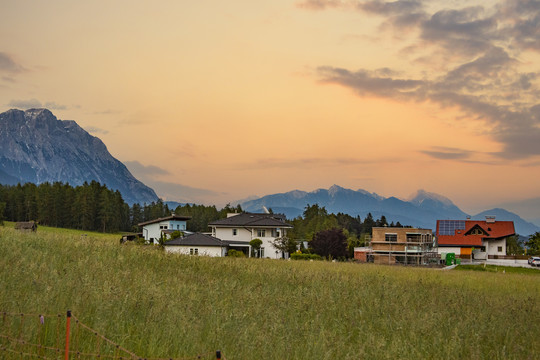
[36,147]
[422,210]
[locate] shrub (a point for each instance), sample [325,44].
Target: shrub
[235,253]
[297,256]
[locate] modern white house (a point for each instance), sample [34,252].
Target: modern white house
[197,244]
[152,230]
[238,229]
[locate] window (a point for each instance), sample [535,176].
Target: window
[499,248]
[275,233]
[390,237]
[413,238]
[194,251]
[261,233]
[163,227]
[177,227]
[477,231]
[235,232]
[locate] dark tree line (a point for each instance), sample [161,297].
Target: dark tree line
[90,206]
[334,235]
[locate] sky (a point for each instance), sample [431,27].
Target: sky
[212,102]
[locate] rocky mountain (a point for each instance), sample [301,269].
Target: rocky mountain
[37,147]
[422,210]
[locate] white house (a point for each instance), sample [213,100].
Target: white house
[197,244]
[237,230]
[153,229]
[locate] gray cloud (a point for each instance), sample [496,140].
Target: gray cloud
[144,171]
[169,190]
[321,4]
[307,163]
[35,103]
[96,130]
[444,153]
[8,64]
[184,193]
[26,104]
[483,78]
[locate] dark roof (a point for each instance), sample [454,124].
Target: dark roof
[196,239]
[172,217]
[252,219]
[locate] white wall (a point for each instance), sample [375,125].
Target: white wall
[446,250]
[492,245]
[213,251]
[154,230]
[243,234]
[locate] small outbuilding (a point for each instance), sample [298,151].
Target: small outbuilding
[197,244]
[26,226]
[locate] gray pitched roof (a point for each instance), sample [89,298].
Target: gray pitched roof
[172,217]
[196,239]
[252,220]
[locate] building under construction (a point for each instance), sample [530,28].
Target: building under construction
[392,245]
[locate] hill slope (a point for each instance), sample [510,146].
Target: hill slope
[37,147]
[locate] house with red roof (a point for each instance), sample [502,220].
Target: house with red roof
[486,237]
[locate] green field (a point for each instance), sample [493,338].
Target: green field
[160,306]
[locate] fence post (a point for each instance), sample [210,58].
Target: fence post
[218,354]
[68,321]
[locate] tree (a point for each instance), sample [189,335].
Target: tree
[256,245]
[514,246]
[285,244]
[330,243]
[533,244]
[2,208]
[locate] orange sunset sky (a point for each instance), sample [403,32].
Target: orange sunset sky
[215,101]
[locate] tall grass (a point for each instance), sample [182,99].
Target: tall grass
[165,305]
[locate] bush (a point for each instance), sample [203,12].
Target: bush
[298,256]
[235,253]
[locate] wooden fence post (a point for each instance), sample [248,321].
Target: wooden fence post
[68,322]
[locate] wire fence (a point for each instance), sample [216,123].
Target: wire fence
[57,336]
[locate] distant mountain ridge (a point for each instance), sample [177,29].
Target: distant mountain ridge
[36,147]
[422,210]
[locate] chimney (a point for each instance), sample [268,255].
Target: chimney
[490,219]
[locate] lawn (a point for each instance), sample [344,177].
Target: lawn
[161,305]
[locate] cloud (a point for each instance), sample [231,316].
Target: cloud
[96,130]
[445,153]
[35,104]
[271,163]
[481,73]
[148,174]
[26,104]
[183,193]
[321,4]
[144,171]
[8,64]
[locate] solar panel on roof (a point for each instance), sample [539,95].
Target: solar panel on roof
[449,227]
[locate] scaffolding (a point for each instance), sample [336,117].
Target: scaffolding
[405,246]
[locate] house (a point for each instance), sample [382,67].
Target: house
[238,229]
[486,237]
[26,226]
[153,230]
[197,244]
[398,245]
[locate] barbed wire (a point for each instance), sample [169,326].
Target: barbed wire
[22,347]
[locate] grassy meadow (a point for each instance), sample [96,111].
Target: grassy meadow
[160,305]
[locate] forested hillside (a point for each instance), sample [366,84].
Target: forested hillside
[91,206]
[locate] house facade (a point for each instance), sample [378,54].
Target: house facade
[152,230]
[484,238]
[237,230]
[197,245]
[398,245]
